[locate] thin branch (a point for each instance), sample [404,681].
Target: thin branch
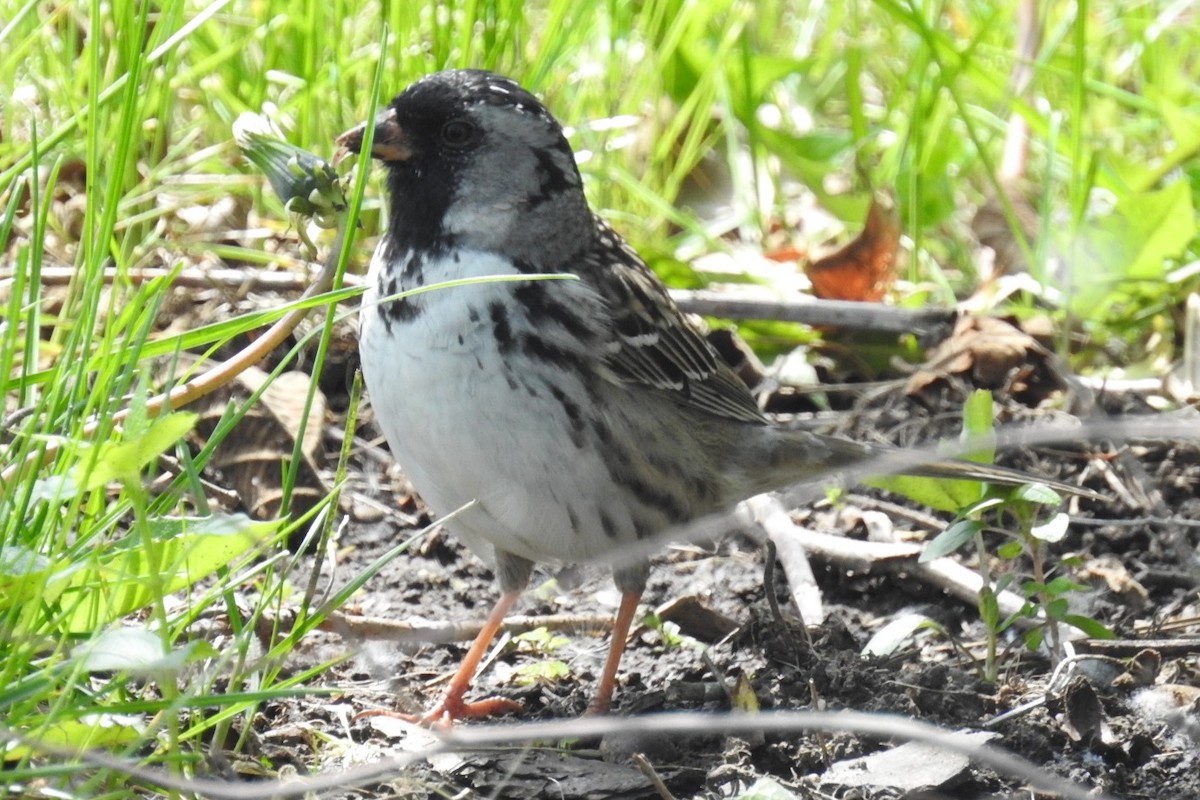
[485,737]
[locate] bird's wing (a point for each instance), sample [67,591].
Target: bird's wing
[654,344]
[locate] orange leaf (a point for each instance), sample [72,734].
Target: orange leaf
[864,268]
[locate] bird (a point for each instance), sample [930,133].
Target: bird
[568,418]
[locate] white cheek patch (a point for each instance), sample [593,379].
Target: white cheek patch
[479,222]
[498,177]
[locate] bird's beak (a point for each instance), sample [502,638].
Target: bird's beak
[390,142]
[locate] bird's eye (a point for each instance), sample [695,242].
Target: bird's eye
[458,133]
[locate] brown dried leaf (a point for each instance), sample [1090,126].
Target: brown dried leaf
[696,619]
[991,354]
[1140,670]
[254,457]
[1083,716]
[864,268]
[1117,579]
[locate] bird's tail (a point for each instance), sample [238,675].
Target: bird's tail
[797,456]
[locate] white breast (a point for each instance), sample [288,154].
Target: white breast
[468,422]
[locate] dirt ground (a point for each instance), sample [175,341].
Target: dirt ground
[1124,721]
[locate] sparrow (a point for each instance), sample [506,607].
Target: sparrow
[569,419]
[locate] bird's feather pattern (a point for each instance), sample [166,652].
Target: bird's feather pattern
[653,342]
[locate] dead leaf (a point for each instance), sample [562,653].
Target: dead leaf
[911,766]
[1116,577]
[696,619]
[1140,670]
[787,254]
[991,353]
[898,633]
[864,268]
[253,457]
[1083,716]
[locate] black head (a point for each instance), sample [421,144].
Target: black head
[474,160]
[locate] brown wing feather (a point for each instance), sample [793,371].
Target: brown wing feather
[653,343]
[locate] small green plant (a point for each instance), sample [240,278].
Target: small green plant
[669,633]
[70,665]
[543,643]
[1026,517]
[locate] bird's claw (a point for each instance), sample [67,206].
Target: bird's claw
[448,710]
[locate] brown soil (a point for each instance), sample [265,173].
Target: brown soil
[1090,732]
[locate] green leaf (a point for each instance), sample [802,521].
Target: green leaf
[1185,130]
[1134,173]
[1010,550]
[1053,529]
[960,497]
[1160,225]
[957,534]
[120,649]
[1038,493]
[541,640]
[23,577]
[976,509]
[809,157]
[119,581]
[1133,243]
[1060,586]
[20,562]
[549,671]
[123,461]
[1091,627]
[1025,611]
[1057,608]
[1030,588]
[942,494]
[989,609]
[138,651]
[91,732]
[978,433]
[54,488]
[765,70]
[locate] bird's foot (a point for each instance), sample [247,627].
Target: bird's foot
[450,709]
[597,708]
